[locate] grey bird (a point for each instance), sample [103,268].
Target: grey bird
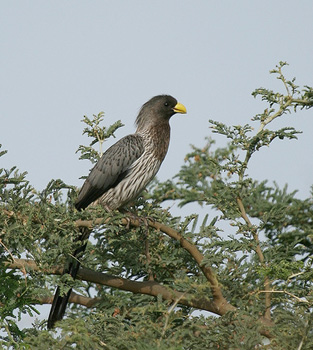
[122,173]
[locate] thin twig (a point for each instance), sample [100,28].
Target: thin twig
[170,310]
[279,113]
[7,249]
[258,250]
[300,300]
[305,335]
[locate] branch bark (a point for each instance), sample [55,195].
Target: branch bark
[74,298]
[218,305]
[146,287]
[221,306]
[221,303]
[151,288]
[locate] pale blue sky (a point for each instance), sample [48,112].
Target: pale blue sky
[61,60]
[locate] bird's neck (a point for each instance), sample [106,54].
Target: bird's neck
[157,138]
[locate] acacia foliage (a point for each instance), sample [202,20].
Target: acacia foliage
[155,281]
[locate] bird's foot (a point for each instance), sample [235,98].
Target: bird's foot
[142,220]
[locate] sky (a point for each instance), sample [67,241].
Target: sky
[61,60]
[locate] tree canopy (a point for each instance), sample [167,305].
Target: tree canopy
[239,278]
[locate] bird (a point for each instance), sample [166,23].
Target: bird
[121,174]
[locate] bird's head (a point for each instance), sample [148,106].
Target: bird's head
[157,110]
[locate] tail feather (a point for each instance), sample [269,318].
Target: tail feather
[60,302]
[58,307]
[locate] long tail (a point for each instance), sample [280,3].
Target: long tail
[59,303]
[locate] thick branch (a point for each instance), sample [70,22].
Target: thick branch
[146,287]
[74,298]
[220,302]
[218,297]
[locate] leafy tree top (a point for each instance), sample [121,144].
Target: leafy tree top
[154,281]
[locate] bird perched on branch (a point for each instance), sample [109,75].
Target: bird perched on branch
[122,172]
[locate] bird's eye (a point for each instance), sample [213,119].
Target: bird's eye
[166,104]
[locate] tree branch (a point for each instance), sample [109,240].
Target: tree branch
[258,250]
[146,287]
[218,306]
[218,298]
[221,304]
[74,298]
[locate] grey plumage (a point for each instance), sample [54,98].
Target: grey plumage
[123,171]
[114,165]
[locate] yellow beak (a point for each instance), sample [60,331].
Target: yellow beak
[180,108]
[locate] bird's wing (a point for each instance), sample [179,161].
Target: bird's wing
[110,169]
